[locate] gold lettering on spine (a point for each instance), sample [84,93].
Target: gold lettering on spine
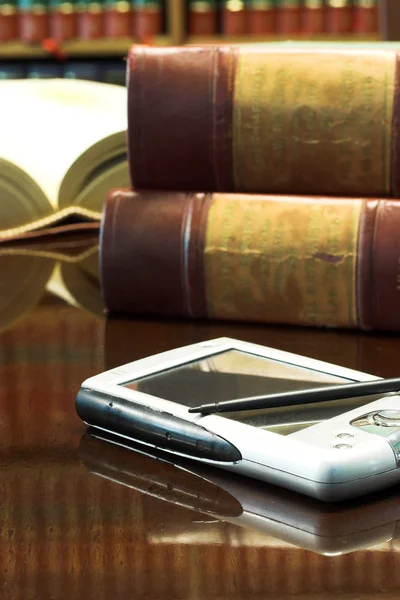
[279,260]
[313,122]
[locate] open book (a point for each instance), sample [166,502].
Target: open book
[62,147]
[67,270]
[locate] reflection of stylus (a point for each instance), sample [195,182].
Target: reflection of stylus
[323,394]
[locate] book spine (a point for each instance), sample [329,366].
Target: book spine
[261,17]
[118,19]
[63,20]
[233,17]
[202,17]
[13,70]
[365,16]
[339,16]
[339,114]
[44,70]
[389,19]
[313,17]
[33,20]
[114,72]
[88,70]
[286,260]
[288,18]
[147,19]
[9,23]
[90,21]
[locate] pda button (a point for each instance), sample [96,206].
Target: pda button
[388,418]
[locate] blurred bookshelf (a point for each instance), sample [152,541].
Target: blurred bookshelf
[75,48]
[55,31]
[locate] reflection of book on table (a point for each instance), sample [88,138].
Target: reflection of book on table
[62,147]
[68,270]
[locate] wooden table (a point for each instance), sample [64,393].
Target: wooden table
[82,519]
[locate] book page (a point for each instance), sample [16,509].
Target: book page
[46,124]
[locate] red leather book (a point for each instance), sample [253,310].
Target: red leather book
[313,17]
[202,17]
[261,17]
[365,17]
[271,118]
[33,20]
[233,17]
[90,20]
[292,260]
[63,20]
[117,19]
[288,17]
[339,16]
[9,28]
[147,19]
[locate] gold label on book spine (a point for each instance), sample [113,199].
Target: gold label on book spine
[234,5]
[366,3]
[7,10]
[317,122]
[202,6]
[313,4]
[289,3]
[282,260]
[66,8]
[338,3]
[121,6]
[261,4]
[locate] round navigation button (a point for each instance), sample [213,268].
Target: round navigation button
[343,446]
[388,418]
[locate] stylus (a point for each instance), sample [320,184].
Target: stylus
[323,394]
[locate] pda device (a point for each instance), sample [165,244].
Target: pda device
[316,428]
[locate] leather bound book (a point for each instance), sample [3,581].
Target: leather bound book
[365,17]
[90,19]
[233,17]
[147,19]
[389,19]
[202,17]
[9,28]
[63,20]
[273,259]
[273,118]
[33,20]
[117,19]
[339,16]
[288,17]
[313,17]
[261,17]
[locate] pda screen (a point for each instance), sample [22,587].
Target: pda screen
[234,374]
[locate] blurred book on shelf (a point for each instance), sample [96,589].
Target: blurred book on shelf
[66,269]
[106,70]
[282,18]
[33,20]
[36,21]
[74,150]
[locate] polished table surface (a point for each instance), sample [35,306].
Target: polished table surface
[81,518]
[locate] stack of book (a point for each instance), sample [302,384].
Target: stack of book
[265,183]
[262,183]
[241,17]
[37,20]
